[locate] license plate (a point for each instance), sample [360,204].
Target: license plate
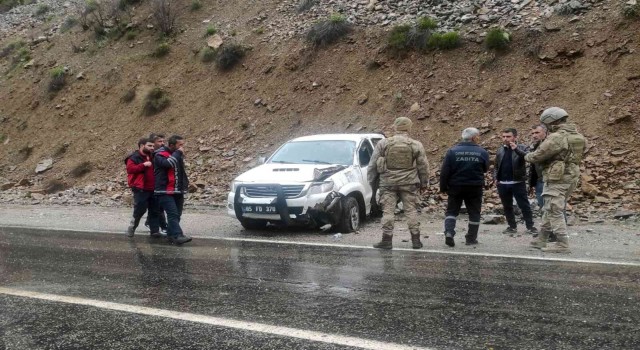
[259,209]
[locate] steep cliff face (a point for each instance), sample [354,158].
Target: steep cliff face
[586,63]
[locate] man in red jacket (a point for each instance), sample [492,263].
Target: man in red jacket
[141,181]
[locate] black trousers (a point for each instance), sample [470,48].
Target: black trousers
[143,202]
[472,198]
[519,191]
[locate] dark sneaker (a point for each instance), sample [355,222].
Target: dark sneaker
[471,242]
[510,231]
[448,239]
[532,231]
[155,235]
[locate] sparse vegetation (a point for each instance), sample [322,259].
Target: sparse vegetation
[61,149]
[129,95]
[68,23]
[425,23]
[328,31]
[211,30]
[229,55]
[130,35]
[259,30]
[207,54]
[42,9]
[419,37]
[161,50]
[446,41]
[156,101]
[54,186]
[398,41]
[631,11]
[497,39]
[165,15]
[81,169]
[196,5]
[11,47]
[58,80]
[305,5]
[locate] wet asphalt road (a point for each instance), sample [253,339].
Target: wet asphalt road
[421,299]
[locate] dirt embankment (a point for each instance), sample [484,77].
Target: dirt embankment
[586,63]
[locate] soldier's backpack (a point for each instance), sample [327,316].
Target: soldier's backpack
[398,154]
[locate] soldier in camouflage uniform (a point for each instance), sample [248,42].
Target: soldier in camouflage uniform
[403,169]
[559,155]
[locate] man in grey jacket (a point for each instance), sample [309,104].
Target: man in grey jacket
[510,173]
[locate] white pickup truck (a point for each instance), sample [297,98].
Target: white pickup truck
[317,180]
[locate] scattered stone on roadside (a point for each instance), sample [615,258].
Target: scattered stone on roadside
[44,165]
[362,99]
[215,41]
[623,214]
[494,220]
[414,107]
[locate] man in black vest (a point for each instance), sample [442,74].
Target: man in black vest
[510,173]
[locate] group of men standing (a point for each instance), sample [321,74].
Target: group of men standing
[402,168]
[158,181]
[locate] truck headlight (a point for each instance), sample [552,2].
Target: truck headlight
[320,187]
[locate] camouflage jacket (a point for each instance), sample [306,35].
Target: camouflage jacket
[555,153]
[417,174]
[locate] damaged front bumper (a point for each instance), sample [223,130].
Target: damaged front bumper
[316,209]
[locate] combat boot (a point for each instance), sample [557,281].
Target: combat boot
[541,242]
[415,241]
[561,246]
[385,243]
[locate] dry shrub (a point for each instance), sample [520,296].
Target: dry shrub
[156,101]
[129,95]
[328,31]
[54,186]
[229,55]
[165,15]
[81,169]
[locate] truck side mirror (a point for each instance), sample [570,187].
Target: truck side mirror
[262,160]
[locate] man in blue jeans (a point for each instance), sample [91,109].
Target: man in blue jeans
[171,185]
[510,173]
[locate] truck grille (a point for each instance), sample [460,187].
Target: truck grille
[259,191]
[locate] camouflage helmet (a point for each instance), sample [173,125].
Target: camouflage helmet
[553,114]
[402,124]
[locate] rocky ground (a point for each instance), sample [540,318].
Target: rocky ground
[279,86]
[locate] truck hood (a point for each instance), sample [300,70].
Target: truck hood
[282,173]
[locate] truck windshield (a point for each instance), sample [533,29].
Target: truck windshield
[316,152]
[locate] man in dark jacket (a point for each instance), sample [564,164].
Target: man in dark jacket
[171,185]
[510,173]
[462,178]
[158,142]
[140,178]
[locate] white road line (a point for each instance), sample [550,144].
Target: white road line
[216,321]
[316,244]
[451,252]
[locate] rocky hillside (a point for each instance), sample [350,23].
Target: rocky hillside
[580,55]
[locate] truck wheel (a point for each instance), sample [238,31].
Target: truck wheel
[253,224]
[350,220]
